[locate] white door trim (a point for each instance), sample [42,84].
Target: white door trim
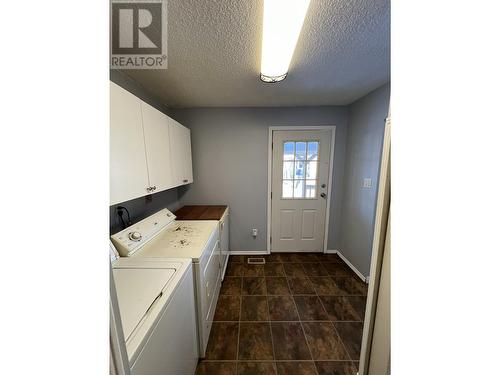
[378,246]
[270,171]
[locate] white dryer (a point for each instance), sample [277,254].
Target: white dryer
[156,307]
[161,236]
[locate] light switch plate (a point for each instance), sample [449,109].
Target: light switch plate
[367,183]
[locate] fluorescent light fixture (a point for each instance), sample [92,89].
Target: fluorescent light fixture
[283,21]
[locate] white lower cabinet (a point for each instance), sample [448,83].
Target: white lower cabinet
[149,151]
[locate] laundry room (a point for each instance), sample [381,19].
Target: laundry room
[205,187]
[268,183]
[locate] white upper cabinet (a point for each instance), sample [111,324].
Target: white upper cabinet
[149,152]
[157,140]
[128,170]
[180,146]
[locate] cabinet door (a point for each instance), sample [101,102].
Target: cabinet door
[180,146]
[128,170]
[157,140]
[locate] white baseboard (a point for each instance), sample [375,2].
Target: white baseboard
[356,271]
[248,252]
[331,251]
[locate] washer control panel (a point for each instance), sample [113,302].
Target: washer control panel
[131,239]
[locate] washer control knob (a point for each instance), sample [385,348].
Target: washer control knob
[135,236]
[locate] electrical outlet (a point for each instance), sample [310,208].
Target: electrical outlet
[254,232]
[367,183]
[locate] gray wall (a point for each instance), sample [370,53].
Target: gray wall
[365,134]
[230,163]
[123,80]
[230,167]
[144,206]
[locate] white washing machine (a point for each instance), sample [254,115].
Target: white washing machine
[156,307]
[161,236]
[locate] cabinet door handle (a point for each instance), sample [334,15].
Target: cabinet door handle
[154,188]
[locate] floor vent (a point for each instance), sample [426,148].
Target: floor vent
[259,260]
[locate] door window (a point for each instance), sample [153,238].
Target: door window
[300,169]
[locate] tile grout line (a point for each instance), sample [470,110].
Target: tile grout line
[279,360]
[299,295]
[303,331]
[334,328]
[331,322]
[271,332]
[239,326]
[288,321]
[267,295]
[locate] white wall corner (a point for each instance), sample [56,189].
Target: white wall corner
[351,266]
[331,251]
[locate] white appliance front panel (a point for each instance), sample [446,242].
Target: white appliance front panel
[198,240]
[137,289]
[181,239]
[140,334]
[172,347]
[224,242]
[145,230]
[208,274]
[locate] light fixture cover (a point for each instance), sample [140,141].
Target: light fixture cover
[283,21]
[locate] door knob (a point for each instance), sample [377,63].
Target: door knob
[323,195]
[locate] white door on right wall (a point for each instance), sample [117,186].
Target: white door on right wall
[300,177]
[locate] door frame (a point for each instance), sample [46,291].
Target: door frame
[270,171]
[378,247]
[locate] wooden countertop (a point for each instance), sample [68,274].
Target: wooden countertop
[200,212]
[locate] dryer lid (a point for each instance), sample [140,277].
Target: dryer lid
[137,290]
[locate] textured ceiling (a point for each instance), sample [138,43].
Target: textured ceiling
[214,50]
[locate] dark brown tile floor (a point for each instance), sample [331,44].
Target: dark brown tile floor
[297,314]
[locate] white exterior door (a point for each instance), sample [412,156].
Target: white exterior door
[300,176]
